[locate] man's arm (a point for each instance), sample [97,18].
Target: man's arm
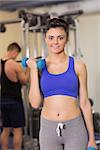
[22,74]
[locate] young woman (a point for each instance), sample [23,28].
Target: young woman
[63,82]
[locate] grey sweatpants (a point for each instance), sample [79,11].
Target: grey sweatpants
[68,135]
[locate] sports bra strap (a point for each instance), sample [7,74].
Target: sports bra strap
[71,63]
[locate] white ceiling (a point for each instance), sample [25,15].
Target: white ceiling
[13,5]
[56,6]
[88,6]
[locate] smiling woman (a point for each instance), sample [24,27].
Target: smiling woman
[56,40]
[63,82]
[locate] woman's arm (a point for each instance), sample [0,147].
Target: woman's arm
[34,92]
[85,103]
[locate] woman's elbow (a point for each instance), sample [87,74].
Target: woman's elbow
[85,105]
[33,103]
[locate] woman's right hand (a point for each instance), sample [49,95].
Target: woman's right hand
[31,63]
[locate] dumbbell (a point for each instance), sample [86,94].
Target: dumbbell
[91,148]
[40,63]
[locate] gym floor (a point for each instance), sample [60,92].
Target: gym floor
[28,144]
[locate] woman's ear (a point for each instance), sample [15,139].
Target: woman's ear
[67,40]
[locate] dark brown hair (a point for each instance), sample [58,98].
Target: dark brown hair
[56,23]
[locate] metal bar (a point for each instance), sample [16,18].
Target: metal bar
[72,28]
[35,28]
[11,21]
[27,39]
[74,13]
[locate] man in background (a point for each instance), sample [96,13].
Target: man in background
[12,110]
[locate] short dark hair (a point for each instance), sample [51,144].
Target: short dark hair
[14,46]
[56,23]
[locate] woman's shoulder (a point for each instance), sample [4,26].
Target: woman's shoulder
[79,64]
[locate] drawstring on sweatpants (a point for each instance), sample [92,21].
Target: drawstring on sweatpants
[59,127]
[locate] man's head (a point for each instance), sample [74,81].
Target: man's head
[13,50]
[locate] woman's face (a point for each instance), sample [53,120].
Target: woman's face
[56,38]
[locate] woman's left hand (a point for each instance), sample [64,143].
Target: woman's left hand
[92,144]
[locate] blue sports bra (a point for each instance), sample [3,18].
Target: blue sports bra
[60,84]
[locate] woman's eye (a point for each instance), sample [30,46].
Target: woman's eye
[50,37]
[61,38]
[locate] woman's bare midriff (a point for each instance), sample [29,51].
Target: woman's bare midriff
[60,108]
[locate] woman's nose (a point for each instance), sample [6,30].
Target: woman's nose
[55,40]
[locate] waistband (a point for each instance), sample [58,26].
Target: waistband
[60,125]
[55,123]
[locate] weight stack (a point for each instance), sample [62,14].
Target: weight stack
[35,123]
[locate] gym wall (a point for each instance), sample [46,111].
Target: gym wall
[13,31]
